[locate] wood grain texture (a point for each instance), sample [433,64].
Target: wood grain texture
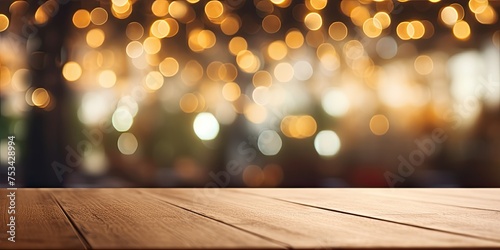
[306,227]
[40,222]
[124,218]
[458,220]
[478,200]
[254,218]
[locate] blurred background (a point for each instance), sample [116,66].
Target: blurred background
[255,93]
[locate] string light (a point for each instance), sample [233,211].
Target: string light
[200,56]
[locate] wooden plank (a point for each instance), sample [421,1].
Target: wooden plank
[306,227]
[124,218]
[440,196]
[487,194]
[40,222]
[476,223]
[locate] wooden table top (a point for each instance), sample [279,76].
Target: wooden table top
[253,218]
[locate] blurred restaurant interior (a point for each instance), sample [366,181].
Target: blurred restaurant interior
[251,93]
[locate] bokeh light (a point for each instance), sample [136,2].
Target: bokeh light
[122,120]
[379,124]
[81,18]
[269,142]
[72,71]
[127,143]
[335,102]
[327,143]
[193,81]
[206,126]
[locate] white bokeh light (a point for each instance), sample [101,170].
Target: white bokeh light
[127,143]
[327,143]
[206,126]
[335,102]
[269,142]
[303,70]
[122,119]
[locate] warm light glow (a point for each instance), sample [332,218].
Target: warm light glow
[72,71]
[359,15]
[173,27]
[461,30]
[329,58]
[383,19]
[449,15]
[154,80]
[5,77]
[99,16]
[415,30]
[372,28]
[41,15]
[316,4]
[237,44]
[231,91]
[21,79]
[313,21]
[189,103]
[247,61]
[294,39]
[255,113]
[160,8]
[298,127]
[107,79]
[160,28]
[181,11]
[282,3]
[40,98]
[169,67]
[402,31]
[134,49]
[213,70]
[152,45]
[121,12]
[283,72]
[478,6]
[81,19]
[337,31]
[327,143]
[206,126]
[134,31]
[379,124]
[214,9]
[4,22]
[206,39]
[192,72]
[120,2]
[228,72]
[277,50]
[423,65]
[127,143]
[262,78]
[488,16]
[95,38]
[271,24]
[230,25]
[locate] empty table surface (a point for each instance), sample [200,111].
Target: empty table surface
[252,218]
